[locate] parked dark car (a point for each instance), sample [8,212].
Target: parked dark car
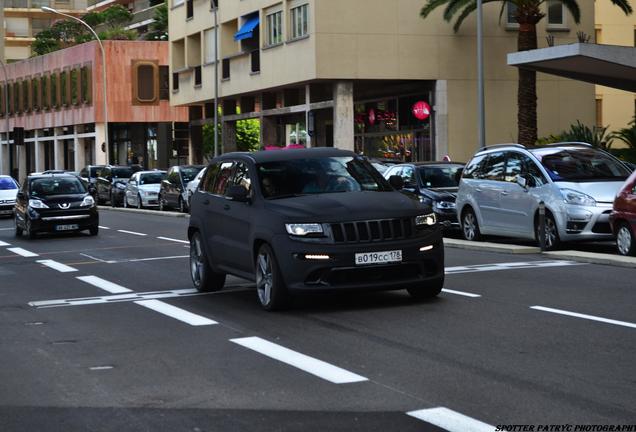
[623,217]
[91,172]
[173,192]
[310,220]
[111,184]
[54,203]
[435,183]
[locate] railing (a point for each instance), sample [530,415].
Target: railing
[37,4]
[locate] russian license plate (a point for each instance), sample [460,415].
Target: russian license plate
[69,227]
[378,257]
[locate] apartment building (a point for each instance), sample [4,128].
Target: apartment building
[614,108]
[143,12]
[23,19]
[366,75]
[56,113]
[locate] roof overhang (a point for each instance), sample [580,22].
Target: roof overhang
[607,65]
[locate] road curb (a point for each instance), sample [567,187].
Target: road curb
[595,258]
[490,247]
[143,211]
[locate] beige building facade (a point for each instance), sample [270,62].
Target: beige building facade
[361,74]
[614,108]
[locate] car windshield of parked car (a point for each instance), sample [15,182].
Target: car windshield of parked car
[296,177]
[151,178]
[581,165]
[122,172]
[44,187]
[380,167]
[440,177]
[7,184]
[189,173]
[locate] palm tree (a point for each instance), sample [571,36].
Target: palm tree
[528,14]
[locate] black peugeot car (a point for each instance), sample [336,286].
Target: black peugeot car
[54,203]
[435,183]
[310,219]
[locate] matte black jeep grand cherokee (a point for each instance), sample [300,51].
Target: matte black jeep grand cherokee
[310,219]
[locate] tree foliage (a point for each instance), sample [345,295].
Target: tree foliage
[627,135]
[159,28]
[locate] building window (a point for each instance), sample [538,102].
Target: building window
[556,14]
[274,28]
[225,72]
[214,4]
[189,9]
[145,82]
[599,112]
[65,89]
[197,76]
[37,94]
[208,36]
[26,95]
[3,108]
[86,85]
[17,102]
[164,83]
[74,86]
[175,81]
[299,21]
[511,15]
[46,91]
[55,90]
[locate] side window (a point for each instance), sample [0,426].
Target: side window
[208,178]
[474,168]
[533,172]
[408,174]
[222,179]
[514,166]
[242,176]
[394,171]
[173,177]
[494,168]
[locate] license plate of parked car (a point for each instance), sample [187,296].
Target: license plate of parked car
[378,257]
[69,227]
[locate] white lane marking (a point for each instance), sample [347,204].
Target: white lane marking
[584,316]
[451,420]
[4,244]
[22,252]
[63,268]
[174,240]
[133,296]
[97,259]
[100,368]
[104,284]
[6,229]
[132,232]
[510,266]
[308,364]
[103,227]
[461,293]
[176,313]
[149,259]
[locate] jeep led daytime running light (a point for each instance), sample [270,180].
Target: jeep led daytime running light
[317,257]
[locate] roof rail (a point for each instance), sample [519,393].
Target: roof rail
[502,145]
[570,143]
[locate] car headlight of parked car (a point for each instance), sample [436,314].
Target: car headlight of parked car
[88,201]
[304,229]
[425,220]
[444,205]
[577,198]
[37,204]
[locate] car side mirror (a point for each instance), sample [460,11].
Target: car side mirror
[238,193]
[521,181]
[397,182]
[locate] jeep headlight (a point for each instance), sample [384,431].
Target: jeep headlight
[571,196]
[425,220]
[304,229]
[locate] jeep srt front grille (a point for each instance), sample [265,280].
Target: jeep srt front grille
[372,230]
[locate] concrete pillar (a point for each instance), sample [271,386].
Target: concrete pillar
[58,150]
[343,115]
[4,155]
[79,153]
[39,152]
[100,138]
[440,117]
[229,136]
[268,131]
[22,163]
[309,117]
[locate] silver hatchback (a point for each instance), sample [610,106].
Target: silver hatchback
[502,186]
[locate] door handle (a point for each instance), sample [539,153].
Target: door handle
[226,207]
[504,192]
[477,189]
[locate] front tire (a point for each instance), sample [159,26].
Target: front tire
[112,200]
[125,201]
[470,226]
[18,230]
[28,229]
[139,206]
[625,240]
[182,206]
[203,277]
[430,290]
[552,240]
[93,230]
[271,290]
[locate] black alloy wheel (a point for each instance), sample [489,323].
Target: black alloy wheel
[203,277]
[552,240]
[94,230]
[271,290]
[427,291]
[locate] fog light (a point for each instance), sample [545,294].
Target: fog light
[317,257]
[426,248]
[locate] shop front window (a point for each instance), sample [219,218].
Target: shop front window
[376,116]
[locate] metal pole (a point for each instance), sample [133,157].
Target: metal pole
[480,76]
[6,112]
[101,46]
[216,81]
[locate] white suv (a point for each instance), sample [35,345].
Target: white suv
[502,186]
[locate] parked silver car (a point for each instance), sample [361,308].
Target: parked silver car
[193,185]
[142,189]
[502,186]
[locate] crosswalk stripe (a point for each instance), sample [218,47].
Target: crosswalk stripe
[450,420]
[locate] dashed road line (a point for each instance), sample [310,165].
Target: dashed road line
[97,259]
[63,268]
[308,364]
[133,233]
[461,293]
[176,313]
[104,284]
[22,252]
[4,244]
[584,316]
[173,240]
[103,227]
[450,420]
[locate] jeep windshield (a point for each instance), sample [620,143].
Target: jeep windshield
[581,165]
[288,178]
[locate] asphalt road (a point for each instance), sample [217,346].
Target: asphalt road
[115,339]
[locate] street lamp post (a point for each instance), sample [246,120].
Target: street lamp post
[6,113]
[101,46]
[480,76]
[216,80]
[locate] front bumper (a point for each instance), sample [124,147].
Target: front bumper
[6,210]
[49,221]
[580,223]
[340,271]
[150,200]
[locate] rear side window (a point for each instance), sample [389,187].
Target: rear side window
[208,178]
[494,167]
[242,176]
[474,169]
[222,179]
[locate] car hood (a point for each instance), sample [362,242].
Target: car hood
[603,191]
[440,194]
[53,200]
[150,187]
[348,206]
[9,194]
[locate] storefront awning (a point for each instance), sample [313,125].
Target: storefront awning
[247,31]
[608,65]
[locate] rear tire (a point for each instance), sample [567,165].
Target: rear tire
[271,290]
[625,240]
[470,226]
[203,277]
[112,200]
[93,230]
[430,290]
[28,229]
